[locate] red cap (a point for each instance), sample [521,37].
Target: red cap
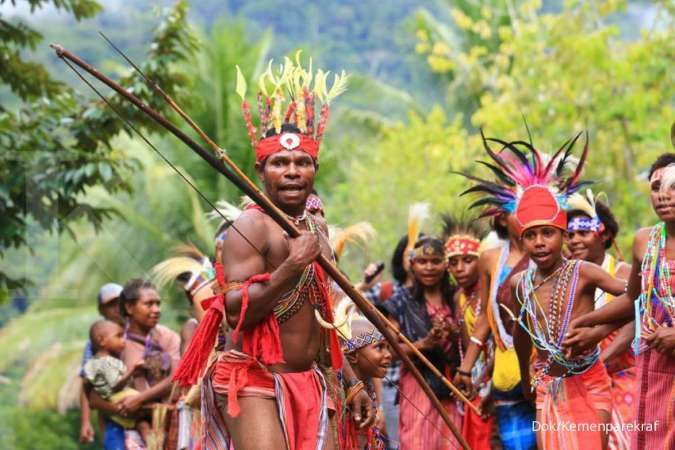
[538,206]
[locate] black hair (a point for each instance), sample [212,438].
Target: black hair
[662,161]
[501,229]
[285,128]
[397,270]
[606,217]
[447,288]
[131,293]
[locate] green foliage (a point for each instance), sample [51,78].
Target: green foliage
[57,144]
[570,71]
[26,337]
[215,106]
[408,163]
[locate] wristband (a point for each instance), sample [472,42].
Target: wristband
[477,341]
[354,390]
[464,372]
[353,382]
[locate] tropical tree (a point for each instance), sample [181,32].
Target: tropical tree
[163,211]
[57,143]
[572,70]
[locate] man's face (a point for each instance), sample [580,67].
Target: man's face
[110,310]
[585,244]
[146,311]
[544,245]
[288,177]
[662,202]
[464,268]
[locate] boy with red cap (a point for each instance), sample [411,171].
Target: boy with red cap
[573,398]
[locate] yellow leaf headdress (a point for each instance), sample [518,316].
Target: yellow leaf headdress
[288,95]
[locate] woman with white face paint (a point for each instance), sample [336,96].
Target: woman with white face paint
[651,287]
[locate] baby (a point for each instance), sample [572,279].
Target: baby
[108,375]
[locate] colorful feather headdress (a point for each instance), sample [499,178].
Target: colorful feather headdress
[190,267]
[528,183]
[288,95]
[462,235]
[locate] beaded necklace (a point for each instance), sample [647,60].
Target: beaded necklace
[466,303]
[656,294]
[505,337]
[547,331]
[305,289]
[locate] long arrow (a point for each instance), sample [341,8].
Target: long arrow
[236,176]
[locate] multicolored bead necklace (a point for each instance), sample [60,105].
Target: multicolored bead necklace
[547,331]
[656,304]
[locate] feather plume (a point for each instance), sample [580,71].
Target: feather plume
[362,231]
[169,269]
[578,202]
[518,165]
[226,209]
[417,214]
[339,86]
[461,224]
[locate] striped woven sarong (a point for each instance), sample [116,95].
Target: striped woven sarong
[569,409]
[654,425]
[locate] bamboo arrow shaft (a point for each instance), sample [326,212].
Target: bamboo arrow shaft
[245,185]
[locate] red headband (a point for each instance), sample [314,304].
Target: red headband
[463,244]
[538,206]
[286,141]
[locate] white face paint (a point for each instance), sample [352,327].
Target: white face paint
[667,176]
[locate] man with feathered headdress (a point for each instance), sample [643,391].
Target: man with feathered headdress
[267,392]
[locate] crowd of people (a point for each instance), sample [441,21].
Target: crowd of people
[524,321]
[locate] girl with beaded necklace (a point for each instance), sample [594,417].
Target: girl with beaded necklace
[462,249]
[651,286]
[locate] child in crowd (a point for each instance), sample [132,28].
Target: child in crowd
[553,291]
[369,356]
[108,375]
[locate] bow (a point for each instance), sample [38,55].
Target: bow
[223,164]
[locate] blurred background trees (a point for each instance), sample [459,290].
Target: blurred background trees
[84,202]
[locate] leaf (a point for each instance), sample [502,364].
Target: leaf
[241,84]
